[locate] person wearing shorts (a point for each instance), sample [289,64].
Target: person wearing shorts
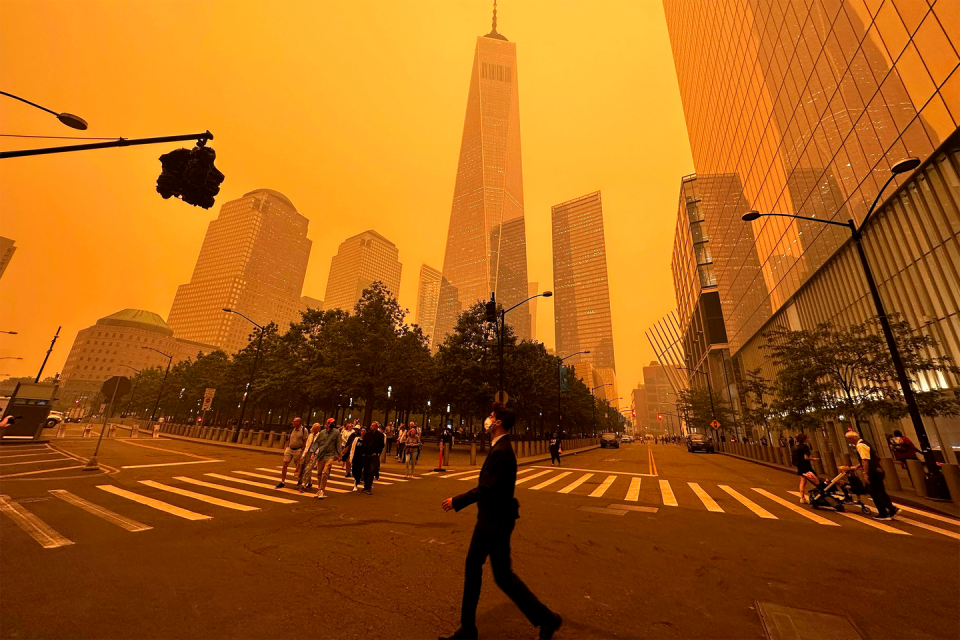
[294,451]
[801,459]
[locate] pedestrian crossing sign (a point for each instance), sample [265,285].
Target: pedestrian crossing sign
[715,424]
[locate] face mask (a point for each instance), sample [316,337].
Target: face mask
[487,424]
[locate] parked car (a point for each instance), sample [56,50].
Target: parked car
[626,439]
[697,442]
[609,441]
[53,419]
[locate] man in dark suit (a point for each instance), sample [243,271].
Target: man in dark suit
[497,513]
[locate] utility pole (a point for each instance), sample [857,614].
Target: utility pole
[46,357]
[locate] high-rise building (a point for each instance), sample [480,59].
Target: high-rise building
[638,409]
[486,241]
[6,253]
[581,291]
[306,302]
[533,289]
[662,417]
[360,261]
[253,260]
[809,105]
[427,298]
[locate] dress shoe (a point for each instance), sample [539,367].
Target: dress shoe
[549,628]
[462,634]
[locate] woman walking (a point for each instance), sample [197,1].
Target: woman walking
[401,441]
[801,458]
[410,450]
[356,458]
[555,449]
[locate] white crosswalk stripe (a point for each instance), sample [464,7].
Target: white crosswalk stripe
[234,490]
[576,483]
[796,508]
[666,493]
[227,504]
[604,486]
[633,493]
[748,503]
[469,478]
[531,477]
[873,523]
[547,483]
[273,478]
[705,498]
[101,512]
[32,525]
[264,485]
[159,505]
[329,481]
[928,527]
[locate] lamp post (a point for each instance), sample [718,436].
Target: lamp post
[136,381]
[253,372]
[500,319]
[12,333]
[560,388]
[162,382]
[856,233]
[47,357]
[594,403]
[72,121]
[11,358]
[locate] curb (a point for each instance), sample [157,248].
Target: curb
[910,502]
[7,442]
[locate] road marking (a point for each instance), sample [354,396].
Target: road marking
[174,451]
[329,480]
[547,483]
[630,507]
[12,464]
[669,500]
[748,503]
[37,447]
[705,498]
[532,476]
[31,455]
[473,477]
[633,493]
[602,489]
[872,523]
[101,512]
[929,527]
[34,526]
[166,464]
[609,512]
[159,505]
[576,483]
[260,475]
[653,462]
[927,514]
[430,473]
[396,477]
[621,473]
[227,504]
[264,485]
[525,470]
[239,492]
[796,508]
[454,475]
[30,473]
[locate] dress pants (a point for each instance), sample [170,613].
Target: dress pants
[495,542]
[879,494]
[554,455]
[371,468]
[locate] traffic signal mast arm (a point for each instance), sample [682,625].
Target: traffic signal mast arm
[119,142]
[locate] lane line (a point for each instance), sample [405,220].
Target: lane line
[530,477]
[633,493]
[748,503]
[927,514]
[31,455]
[30,473]
[264,485]
[227,504]
[174,451]
[260,475]
[547,483]
[393,476]
[430,473]
[13,464]
[239,492]
[159,505]
[34,526]
[669,500]
[459,473]
[796,508]
[474,477]
[653,462]
[101,512]
[705,498]
[621,473]
[576,483]
[872,523]
[166,464]
[602,489]
[928,527]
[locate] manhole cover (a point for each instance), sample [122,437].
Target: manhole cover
[789,623]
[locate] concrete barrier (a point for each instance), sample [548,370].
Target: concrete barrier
[951,473]
[829,464]
[271,438]
[891,477]
[917,476]
[818,463]
[260,435]
[473,453]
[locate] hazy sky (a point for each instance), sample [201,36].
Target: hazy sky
[352,109]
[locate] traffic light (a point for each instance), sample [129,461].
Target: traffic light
[491,308]
[189,174]
[659,416]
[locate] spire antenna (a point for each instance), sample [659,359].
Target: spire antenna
[494,30]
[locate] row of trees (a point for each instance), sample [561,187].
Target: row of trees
[334,364]
[826,372]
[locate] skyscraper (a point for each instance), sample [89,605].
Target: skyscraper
[429,294]
[360,261]
[253,260]
[533,289]
[582,292]
[486,242]
[7,249]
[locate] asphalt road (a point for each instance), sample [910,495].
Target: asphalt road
[390,565]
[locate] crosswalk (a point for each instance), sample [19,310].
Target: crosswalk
[182,497]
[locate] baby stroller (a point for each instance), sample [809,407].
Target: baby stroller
[845,489]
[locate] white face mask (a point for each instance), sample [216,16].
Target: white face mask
[487,424]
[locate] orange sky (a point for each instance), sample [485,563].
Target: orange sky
[352,109]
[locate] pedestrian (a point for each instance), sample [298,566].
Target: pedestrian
[372,448]
[903,448]
[497,513]
[356,458]
[346,432]
[446,438]
[324,450]
[801,460]
[306,464]
[389,435]
[411,451]
[294,451]
[401,441]
[555,448]
[873,475]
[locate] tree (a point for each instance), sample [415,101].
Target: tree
[758,411]
[699,411]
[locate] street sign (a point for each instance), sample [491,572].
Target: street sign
[502,397]
[715,424]
[116,387]
[208,398]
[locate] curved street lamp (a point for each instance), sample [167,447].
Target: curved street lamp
[908,164]
[253,371]
[72,121]
[162,382]
[560,386]
[12,333]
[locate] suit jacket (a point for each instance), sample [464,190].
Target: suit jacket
[496,506]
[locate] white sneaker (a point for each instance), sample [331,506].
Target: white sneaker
[321,495]
[354,487]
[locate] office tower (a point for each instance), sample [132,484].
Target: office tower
[638,409]
[6,253]
[662,418]
[306,302]
[810,105]
[533,289]
[581,291]
[114,346]
[486,241]
[427,298]
[253,260]
[360,261]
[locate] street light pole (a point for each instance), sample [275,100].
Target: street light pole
[501,321]
[72,121]
[253,372]
[162,382]
[47,357]
[134,392]
[560,389]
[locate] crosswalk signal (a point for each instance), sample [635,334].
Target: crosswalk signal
[659,416]
[491,310]
[189,174]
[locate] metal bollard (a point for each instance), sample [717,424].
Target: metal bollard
[917,477]
[829,464]
[260,435]
[817,464]
[951,473]
[473,454]
[62,430]
[891,477]
[270,439]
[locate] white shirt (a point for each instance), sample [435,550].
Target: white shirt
[863,450]
[493,442]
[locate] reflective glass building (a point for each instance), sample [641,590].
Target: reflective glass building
[807,105]
[360,261]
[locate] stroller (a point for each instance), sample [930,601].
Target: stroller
[845,489]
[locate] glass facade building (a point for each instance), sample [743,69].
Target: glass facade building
[427,298]
[486,242]
[253,260]
[360,261]
[807,105]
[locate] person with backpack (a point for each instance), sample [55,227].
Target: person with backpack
[903,448]
[873,473]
